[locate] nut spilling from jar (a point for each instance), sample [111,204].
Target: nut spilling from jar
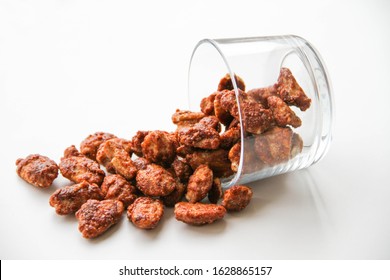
[181,169]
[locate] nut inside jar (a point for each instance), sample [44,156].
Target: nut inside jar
[259,124]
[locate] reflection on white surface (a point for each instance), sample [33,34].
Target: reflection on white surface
[285,219]
[301,215]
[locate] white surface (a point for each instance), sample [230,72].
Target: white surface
[70,68]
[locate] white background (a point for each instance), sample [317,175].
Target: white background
[70,68]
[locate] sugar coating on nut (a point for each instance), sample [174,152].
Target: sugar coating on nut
[159,147]
[261,94]
[198,213]
[154,180]
[221,112]
[116,159]
[290,91]
[255,118]
[237,198]
[125,144]
[171,199]
[274,146]
[174,140]
[234,156]
[227,83]
[229,102]
[210,122]
[207,104]
[182,169]
[69,199]
[184,150]
[79,168]
[185,118]
[107,151]
[72,151]
[217,160]
[145,212]
[116,187]
[96,217]
[230,137]
[137,140]
[90,145]
[199,136]
[282,113]
[141,163]
[199,184]
[123,165]
[37,170]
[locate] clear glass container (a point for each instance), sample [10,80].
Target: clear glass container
[259,62]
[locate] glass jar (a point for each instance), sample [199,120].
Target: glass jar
[293,132]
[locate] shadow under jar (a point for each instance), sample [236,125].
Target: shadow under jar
[283,101]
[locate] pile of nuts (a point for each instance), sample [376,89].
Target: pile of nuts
[157,169]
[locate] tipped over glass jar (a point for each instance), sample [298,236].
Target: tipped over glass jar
[274,100]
